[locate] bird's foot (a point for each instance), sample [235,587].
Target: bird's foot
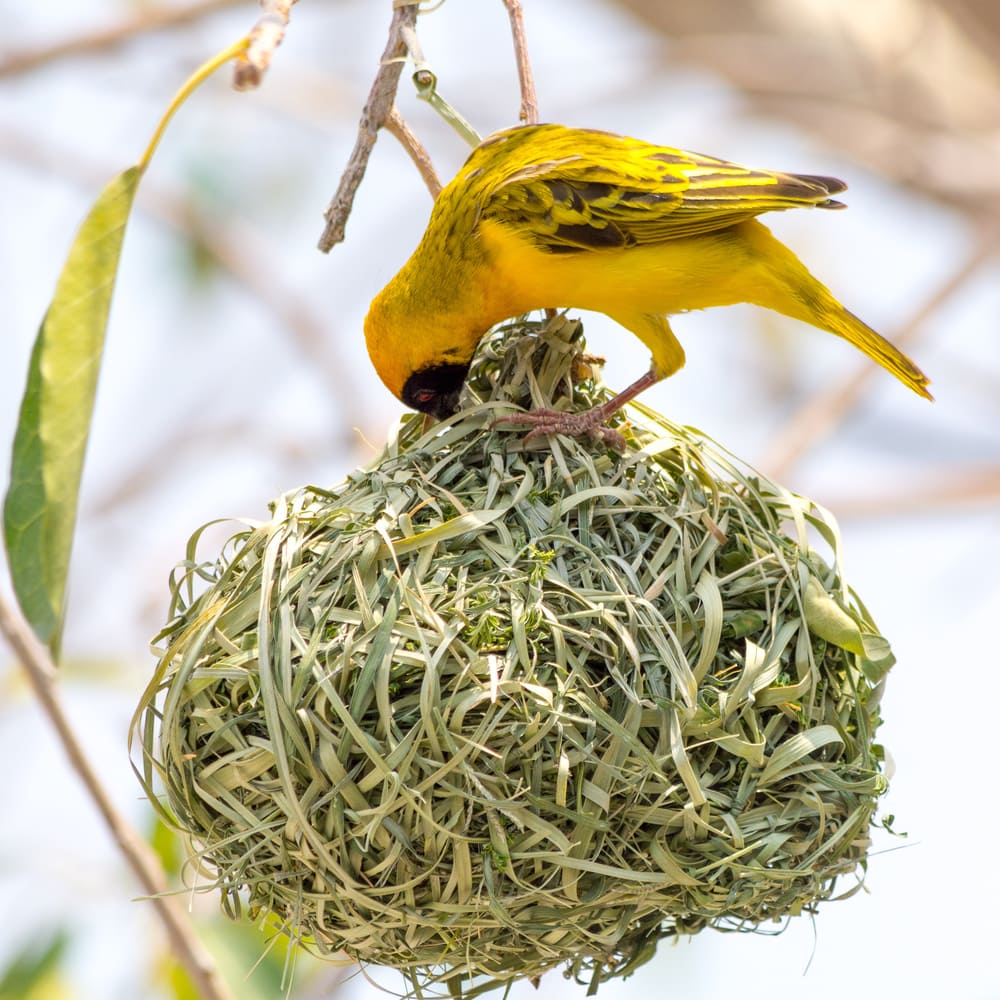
[589,423]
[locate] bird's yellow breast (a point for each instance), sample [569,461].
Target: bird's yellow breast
[693,273]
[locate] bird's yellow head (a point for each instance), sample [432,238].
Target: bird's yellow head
[420,354]
[422,329]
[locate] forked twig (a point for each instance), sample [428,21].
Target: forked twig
[376,110]
[396,126]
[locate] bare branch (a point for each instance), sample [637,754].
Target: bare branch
[866,84]
[376,110]
[947,489]
[817,418]
[148,20]
[529,99]
[265,37]
[42,674]
[396,126]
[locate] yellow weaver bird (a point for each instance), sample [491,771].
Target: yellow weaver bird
[545,216]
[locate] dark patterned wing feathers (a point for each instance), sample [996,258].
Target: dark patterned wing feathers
[605,192]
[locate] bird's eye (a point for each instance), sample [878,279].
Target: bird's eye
[434,390]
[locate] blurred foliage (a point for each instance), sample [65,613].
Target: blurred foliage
[254,955]
[34,974]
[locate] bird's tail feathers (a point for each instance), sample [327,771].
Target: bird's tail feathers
[845,324]
[790,289]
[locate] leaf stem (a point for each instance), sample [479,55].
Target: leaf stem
[197,77]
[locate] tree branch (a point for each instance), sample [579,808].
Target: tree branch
[376,110]
[529,99]
[265,37]
[92,43]
[396,126]
[42,674]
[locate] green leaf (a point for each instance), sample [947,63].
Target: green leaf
[878,658]
[33,967]
[827,619]
[54,423]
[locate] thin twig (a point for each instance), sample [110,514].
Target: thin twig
[376,110]
[185,946]
[93,43]
[265,37]
[817,418]
[396,126]
[529,99]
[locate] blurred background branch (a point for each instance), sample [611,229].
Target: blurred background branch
[148,20]
[815,419]
[908,88]
[145,865]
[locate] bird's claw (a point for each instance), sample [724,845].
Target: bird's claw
[590,424]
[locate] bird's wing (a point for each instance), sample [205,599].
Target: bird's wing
[603,192]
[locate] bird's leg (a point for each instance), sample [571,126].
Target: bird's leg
[589,422]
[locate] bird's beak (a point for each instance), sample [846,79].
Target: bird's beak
[448,403]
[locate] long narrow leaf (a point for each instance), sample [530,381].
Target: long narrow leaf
[51,438]
[54,424]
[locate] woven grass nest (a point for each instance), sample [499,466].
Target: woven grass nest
[489,708]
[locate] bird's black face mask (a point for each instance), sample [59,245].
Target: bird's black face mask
[435,390]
